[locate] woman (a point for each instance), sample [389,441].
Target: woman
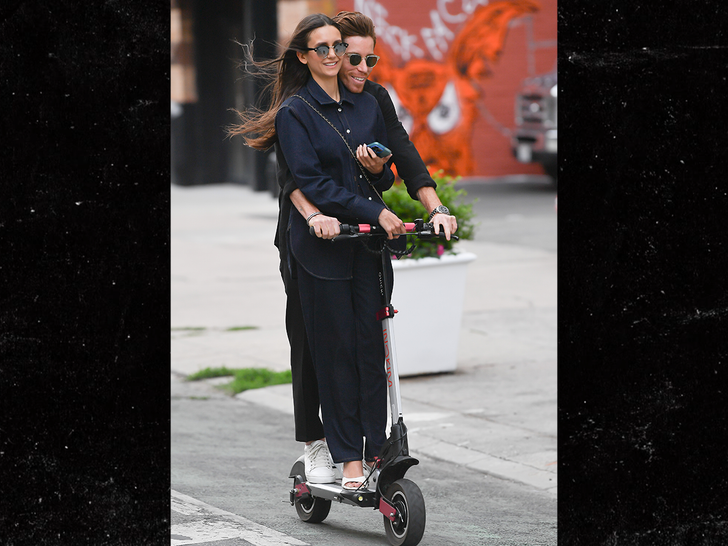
[322,130]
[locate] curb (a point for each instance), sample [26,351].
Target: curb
[279,398]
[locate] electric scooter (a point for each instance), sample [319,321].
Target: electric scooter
[398,499]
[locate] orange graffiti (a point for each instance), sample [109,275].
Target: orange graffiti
[438,102]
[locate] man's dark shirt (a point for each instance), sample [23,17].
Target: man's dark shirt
[410,166]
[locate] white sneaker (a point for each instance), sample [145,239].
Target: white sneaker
[319,465]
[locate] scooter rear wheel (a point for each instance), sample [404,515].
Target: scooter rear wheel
[409,526]
[313,509]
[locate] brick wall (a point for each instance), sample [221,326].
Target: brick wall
[290,12]
[426,29]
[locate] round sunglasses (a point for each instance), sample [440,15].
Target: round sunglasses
[355,59]
[323,50]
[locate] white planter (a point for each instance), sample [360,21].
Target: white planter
[421,287]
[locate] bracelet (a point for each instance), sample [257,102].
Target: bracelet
[311,216]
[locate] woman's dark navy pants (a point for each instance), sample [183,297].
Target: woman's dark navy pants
[346,344]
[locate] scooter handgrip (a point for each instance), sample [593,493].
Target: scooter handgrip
[442,235]
[348,229]
[376,229]
[431,228]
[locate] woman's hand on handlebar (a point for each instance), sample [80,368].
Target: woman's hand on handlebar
[391,223]
[370,160]
[325,227]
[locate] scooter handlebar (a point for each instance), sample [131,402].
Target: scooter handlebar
[418,228]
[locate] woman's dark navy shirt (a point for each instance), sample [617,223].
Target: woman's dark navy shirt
[327,174]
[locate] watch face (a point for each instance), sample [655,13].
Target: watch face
[440,209]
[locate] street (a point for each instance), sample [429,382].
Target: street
[237,455]
[485,435]
[519,213]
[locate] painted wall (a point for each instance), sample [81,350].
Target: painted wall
[453,68]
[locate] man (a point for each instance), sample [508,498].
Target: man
[358,62]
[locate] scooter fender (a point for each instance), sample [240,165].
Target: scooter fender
[299,468]
[395,471]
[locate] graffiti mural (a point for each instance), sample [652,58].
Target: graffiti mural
[437,82]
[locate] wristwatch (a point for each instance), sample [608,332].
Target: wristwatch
[440,209]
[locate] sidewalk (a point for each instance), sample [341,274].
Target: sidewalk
[495,414]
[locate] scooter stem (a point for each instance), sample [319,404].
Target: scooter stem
[390,362]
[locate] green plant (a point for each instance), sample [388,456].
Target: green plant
[255,378]
[243,379]
[409,209]
[209,373]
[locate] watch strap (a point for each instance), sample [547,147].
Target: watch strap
[440,209]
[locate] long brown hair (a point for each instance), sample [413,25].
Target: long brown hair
[286,75]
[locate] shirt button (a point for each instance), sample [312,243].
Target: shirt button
[339,109]
[359,176]
[348,130]
[370,199]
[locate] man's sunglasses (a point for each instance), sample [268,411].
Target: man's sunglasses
[323,50]
[355,59]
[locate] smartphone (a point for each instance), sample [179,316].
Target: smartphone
[380,149]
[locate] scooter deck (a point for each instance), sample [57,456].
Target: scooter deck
[335,492]
[366,496]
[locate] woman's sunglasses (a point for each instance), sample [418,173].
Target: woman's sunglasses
[323,50]
[355,59]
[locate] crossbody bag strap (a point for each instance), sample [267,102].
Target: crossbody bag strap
[361,167]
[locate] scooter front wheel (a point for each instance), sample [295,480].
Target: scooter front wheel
[409,525]
[313,509]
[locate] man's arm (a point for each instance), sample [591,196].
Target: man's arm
[429,199]
[410,166]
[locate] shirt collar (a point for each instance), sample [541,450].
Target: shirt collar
[322,97]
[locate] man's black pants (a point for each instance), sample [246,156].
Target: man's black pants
[305,387]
